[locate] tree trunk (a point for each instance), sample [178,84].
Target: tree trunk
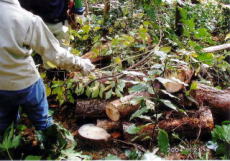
[217,100]
[120,108]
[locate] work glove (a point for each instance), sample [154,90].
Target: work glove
[86,66]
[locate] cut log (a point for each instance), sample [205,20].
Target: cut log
[217,100]
[92,132]
[95,56]
[197,123]
[93,108]
[178,79]
[109,125]
[90,135]
[121,107]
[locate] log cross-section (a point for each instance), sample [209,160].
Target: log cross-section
[122,107]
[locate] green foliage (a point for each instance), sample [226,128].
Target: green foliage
[133,154]
[133,129]
[111,157]
[10,141]
[33,157]
[163,141]
[221,136]
[169,104]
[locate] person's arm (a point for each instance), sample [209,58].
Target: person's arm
[40,39]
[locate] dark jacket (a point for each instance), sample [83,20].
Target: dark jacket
[51,11]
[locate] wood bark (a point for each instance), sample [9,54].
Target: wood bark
[120,108]
[96,108]
[197,123]
[92,108]
[108,125]
[217,100]
[106,9]
[183,74]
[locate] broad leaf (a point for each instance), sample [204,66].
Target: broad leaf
[139,112]
[169,104]
[133,129]
[163,141]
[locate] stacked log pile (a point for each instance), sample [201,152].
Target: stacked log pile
[211,104]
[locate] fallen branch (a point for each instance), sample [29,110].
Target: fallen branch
[216,48]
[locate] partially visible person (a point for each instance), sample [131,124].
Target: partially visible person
[54,13]
[20,82]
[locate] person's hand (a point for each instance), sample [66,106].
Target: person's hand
[87,66]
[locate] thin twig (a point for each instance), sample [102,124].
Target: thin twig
[139,147]
[119,75]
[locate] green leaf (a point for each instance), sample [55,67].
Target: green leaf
[111,157]
[48,90]
[79,90]
[96,90]
[221,133]
[133,154]
[33,157]
[108,94]
[102,89]
[138,88]
[9,139]
[163,141]
[121,85]
[169,104]
[166,49]
[194,85]
[118,93]
[207,58]
[139,112]
[136,100]
[88,92]
[133,129]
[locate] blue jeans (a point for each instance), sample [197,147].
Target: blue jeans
[32,100]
